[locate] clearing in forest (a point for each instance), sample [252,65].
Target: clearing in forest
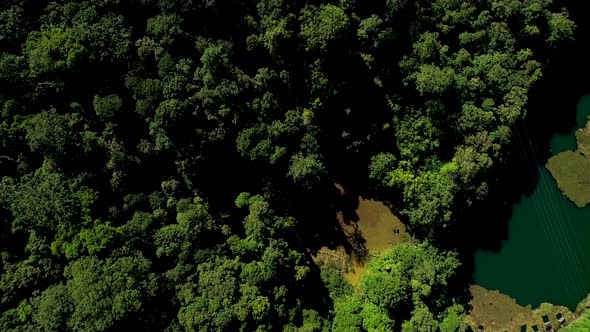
[370,231]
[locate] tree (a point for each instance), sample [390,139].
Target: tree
[106,292]
[53,308]
[399,284]
[422,320]
[106,37]
[347,314]
[13,25]
[434,80]
[44,201]
[165,28]
[51,134]
[108,106]
[561,28]
[307,170]
[53,51]
[321,26]
[454,319]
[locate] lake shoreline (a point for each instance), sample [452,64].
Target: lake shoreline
[545,257]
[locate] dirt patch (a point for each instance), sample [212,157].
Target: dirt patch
[351,266]
[370,230]
[354,275]
[336,259]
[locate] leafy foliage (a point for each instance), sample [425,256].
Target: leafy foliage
[406,287]
[170,165]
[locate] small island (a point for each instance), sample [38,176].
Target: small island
[571,169]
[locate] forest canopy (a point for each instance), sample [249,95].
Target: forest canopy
[171,165]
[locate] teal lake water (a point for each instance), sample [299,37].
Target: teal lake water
[547,255]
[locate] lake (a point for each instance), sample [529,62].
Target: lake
[547,255]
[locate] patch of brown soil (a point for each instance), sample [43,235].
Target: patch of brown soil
[372,229]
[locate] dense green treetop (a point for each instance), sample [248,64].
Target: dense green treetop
[405,288]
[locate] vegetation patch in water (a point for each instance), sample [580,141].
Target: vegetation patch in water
[571,169]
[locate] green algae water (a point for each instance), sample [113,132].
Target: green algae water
[547,255]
